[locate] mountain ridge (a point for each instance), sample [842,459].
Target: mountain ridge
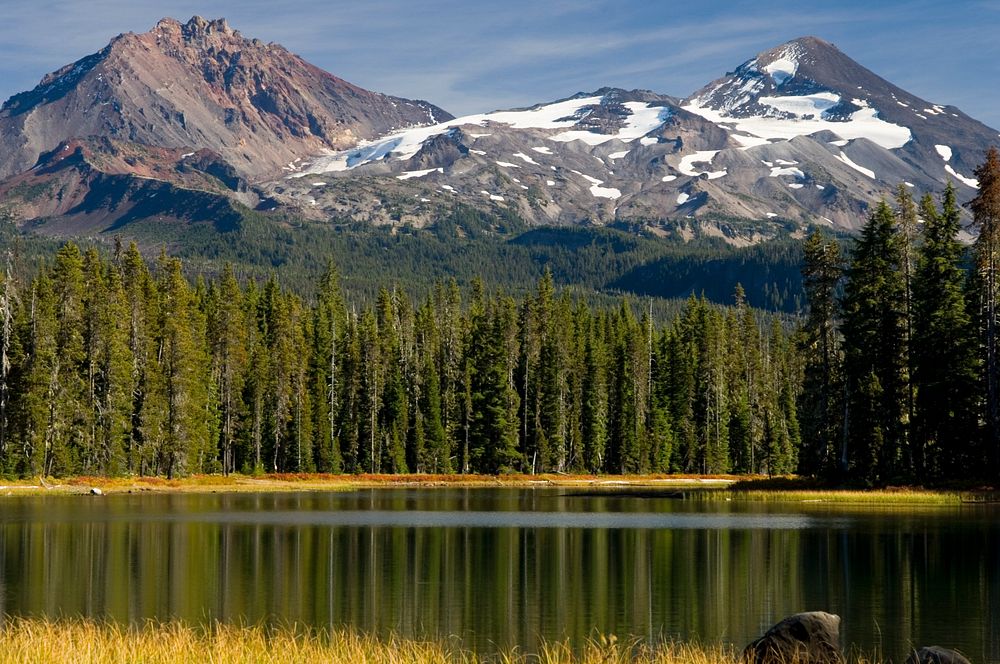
[799,134]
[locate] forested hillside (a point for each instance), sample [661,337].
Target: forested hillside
[112,366]
[901,370]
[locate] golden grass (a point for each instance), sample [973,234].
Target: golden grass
[80,641]
[325,482]
[870,497]
[711,487]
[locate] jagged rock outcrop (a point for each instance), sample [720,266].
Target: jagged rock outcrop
[201,85]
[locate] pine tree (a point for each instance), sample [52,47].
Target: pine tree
[820,405]
[945,365]
[8,302]
[986,217]
[228,340]
[874,350]
[326,370]
[906,225]
[186,437]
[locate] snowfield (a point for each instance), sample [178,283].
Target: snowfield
[643,118]
[807,114]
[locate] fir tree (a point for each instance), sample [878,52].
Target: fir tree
[945,365]
[986,216]
[821,273]
[874,349]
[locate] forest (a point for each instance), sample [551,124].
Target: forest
[115,365]
[900,344]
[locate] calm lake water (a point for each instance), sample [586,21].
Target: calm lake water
[502,567]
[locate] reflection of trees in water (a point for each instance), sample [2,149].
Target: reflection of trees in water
[896,579]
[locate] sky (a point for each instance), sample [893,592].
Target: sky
[469,56]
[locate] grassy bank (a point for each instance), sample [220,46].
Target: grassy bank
[85,641]
[709,487]
[321,482]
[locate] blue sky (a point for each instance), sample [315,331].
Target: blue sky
[469,56]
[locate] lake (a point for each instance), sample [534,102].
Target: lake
[504,567]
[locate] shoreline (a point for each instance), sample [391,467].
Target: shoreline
[723,487]
[71,640]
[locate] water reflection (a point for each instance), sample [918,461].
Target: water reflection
[505,567]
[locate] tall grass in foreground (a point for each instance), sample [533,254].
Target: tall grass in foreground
[81,641]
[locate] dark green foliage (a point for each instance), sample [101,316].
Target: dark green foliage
[820,408]
[874,352]
[118,368]
[945,363]
[907,391]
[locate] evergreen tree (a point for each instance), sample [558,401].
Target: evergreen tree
[820,408]
[945,365]
[228,340]
[874,353]
[986,216]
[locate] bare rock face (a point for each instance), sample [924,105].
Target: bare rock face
[936,655]
[805,638]
[201,85]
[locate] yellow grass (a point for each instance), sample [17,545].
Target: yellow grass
[324,482]
[88,642]
[716,487]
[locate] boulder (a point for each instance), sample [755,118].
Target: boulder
[805,638]
[936,655]
[96,492]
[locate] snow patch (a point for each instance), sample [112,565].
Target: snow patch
[971,182]
[840,143]
[795,185]
[682,198]
[507,164]
[944,151]
[618,155]
[702,156]
[319,184]
[551,183]
[648,140]
[802,115]
[597,191]
[642,119]
[777,171]
[407,175]
[668,178]
[782,69]
[406,143]
[748,142]
[542,150]
[860,169]
[525,158]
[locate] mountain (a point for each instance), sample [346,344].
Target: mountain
[201,85]
[800,132]
[204,119]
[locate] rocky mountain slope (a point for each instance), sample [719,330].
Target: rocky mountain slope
[201,85]
[800,134]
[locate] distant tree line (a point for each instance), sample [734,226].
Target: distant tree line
[900,345]
[114,366]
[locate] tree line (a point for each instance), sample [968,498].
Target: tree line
[116,366]
[902,373]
